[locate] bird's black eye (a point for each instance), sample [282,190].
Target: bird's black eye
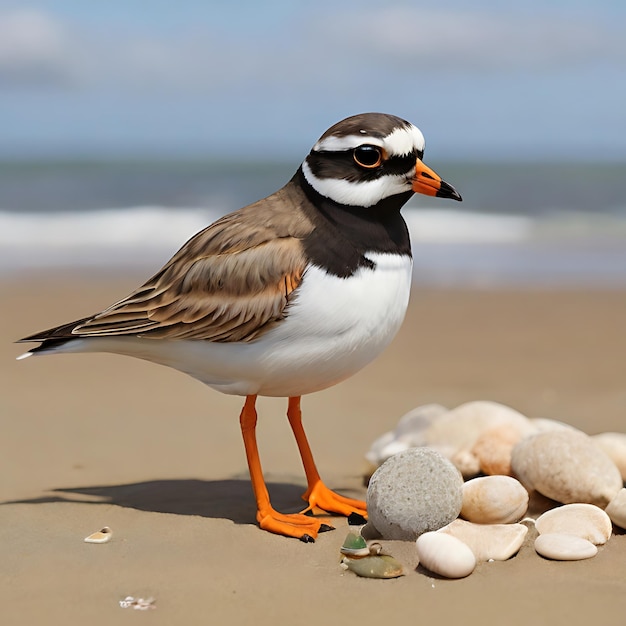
[368,156]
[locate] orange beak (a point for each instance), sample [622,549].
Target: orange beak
[430,184]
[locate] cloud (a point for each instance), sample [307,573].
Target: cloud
[39,50]
[196,77]
[431,40]
[313,48]
[33,50]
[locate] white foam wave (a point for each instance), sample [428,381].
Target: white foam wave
[112,237]
[448,226]
[109,237]
[450,247]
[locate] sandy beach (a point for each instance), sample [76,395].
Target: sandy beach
[100,440]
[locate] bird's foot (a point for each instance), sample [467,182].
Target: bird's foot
[319,495]
[303,527]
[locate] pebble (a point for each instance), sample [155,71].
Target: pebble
[494,500]
[383,448]
[614,445]
[567,467]
[582,520]
[562,547]
[464,460]
[488,542]
[409,433]
[413,492]
[445,555]
[456,432]
[494,446]
[616,509]
[412,425]
[544,424]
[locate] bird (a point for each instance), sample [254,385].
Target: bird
[284,297]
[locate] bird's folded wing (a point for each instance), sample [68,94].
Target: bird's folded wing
[224,284]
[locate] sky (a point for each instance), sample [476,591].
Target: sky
[542,79]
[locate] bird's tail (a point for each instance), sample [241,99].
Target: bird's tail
[51,340]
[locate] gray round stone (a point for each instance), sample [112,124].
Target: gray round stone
[413,492]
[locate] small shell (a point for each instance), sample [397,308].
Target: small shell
[562,547]
[488,542]
[377,566]
[140,604]
[616,509]
[445,555]
[102,536]
[354,545]
[494,500]
[582,520]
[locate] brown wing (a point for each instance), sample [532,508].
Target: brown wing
[231,282]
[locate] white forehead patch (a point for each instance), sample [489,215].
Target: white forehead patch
[400,142]
[404,140]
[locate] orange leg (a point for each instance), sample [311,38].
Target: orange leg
[317,493]
[297,525]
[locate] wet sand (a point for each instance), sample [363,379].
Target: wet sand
[95,440]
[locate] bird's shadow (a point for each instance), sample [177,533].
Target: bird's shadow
[226,499]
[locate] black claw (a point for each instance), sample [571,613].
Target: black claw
[308,512]
[355,519]
[307,539]
[324,528]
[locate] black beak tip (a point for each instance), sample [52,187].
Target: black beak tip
[448,191]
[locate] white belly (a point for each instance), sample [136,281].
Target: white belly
[334,327]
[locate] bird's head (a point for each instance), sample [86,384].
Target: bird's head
[369,157]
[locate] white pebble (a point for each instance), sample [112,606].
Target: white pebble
[543,424]
[616,509]
[488,542]
[408,433]
[582,520]
[455,433]
[614,445]
[562,547]
[567,467]
[445,555]
[494,500]
[412,425]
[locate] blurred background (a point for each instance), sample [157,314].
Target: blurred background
[126,127]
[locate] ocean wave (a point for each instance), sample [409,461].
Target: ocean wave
[106,237]
[449,226]
[451,247]
[152,226]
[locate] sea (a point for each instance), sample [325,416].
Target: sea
[541,225]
